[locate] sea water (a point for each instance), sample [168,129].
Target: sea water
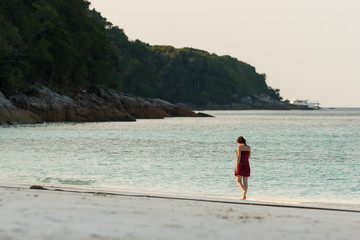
[309,156]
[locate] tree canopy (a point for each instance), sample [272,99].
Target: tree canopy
[62,44]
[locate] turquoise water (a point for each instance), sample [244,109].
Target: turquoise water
[310,156]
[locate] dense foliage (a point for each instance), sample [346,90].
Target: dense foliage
[64,45]
[190,75]
[56,43]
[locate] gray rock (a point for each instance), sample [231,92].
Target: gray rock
[95,104]
[9,114]
[201,114]
[53,107]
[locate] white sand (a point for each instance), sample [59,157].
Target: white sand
[39,214]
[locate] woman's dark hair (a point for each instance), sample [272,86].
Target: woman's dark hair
[241,140]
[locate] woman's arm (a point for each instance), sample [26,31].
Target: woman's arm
[238,158]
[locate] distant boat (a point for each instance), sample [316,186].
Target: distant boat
[305,103]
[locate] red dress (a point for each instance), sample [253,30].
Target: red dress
[244,166]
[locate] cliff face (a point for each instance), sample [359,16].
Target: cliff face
[43,105]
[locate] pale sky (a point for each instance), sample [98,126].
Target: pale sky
[309,49]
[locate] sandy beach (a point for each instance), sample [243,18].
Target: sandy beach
[76,214]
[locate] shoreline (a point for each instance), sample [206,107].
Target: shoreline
[56,214]
[315,205]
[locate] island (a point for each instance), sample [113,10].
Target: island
[62,61]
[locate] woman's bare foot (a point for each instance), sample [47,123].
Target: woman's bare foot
[243,197]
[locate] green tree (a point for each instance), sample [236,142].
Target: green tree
[64,45]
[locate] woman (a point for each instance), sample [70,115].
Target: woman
[242,169]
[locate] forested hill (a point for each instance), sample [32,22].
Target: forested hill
[63,45]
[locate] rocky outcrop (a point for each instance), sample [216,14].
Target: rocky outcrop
[200,114]
[261,100]
[9,114]
[96,104]
[53,107]
[153,108]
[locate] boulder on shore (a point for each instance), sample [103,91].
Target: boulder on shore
[9,114]
[53,107]
[96,104]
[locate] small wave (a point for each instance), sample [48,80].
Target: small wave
[47,180]
[68,181]
[76,181]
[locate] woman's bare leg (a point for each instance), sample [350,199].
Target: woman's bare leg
[245,180]
[241,186]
